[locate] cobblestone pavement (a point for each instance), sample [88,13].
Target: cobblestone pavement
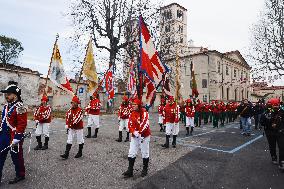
[103,162]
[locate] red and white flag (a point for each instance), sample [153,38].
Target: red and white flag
[150,63]
[109,84]
[150,92]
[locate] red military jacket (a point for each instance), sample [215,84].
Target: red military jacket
[207,108]
[189,111]
[124,111]
[223,108]
[198,107]
[216,108]
[161,109]
[139,121]
[94,107]
[229,107]
[15,120]
[74,118]
[171,113]
[43,114]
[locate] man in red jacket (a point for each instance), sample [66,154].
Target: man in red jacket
[171,112]
[189,113]
[42,117]
[140,137]
[216,110]
[12,129]
[123,117]
[74,124]
[93,110]
[161,117]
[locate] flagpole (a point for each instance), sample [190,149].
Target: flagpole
[56,39]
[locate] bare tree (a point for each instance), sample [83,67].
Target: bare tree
[267,49]
[106,21]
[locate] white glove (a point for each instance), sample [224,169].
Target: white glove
[37,121]
[66,126]
[86,113]
[15,141]
[136,134]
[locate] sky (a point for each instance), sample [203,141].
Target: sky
[222,25]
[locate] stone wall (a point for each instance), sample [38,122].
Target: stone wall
[27,81]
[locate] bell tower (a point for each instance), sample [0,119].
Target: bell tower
[173,22]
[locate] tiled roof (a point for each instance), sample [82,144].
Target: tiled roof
[17,68]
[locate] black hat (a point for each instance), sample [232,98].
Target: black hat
[12,89]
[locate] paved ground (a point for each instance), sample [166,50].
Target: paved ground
[225,160]
[212,158]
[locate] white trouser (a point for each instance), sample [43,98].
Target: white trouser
[42,129]
[172,128]
[78,133]
[137,143]
[189,121]
[161,119]
[93,120]
[123,123]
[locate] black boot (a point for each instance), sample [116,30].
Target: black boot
[145,167]
[16,180]
[166,145]
[161,127]
[119,136]
[79,154]
[39,143]
[127,137]
[191,130]
[187,131]
[45,146]
[174,141]
[89,132]
[96,133]
[66,154]
[129,172]
[274,160]
[164,129]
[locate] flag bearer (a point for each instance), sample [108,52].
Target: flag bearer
[189,113]
[74,124]
[139,129]
[93,110]
[42,117]
[171,112]
[123,117]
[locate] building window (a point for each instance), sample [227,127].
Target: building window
[227,70]
[168,40]
[219,67]
[180,14]
[235,73]
[204,83]
[168,15]
[168,28]
[204,98]
[181,40]
[180,29]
